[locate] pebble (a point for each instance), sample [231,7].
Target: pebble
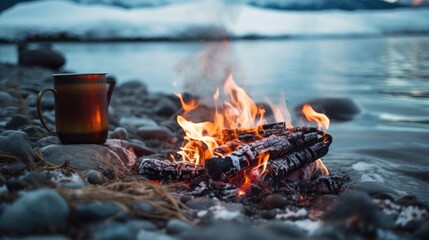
[97,211]
[146,235]
[274,201]
[200,203]
[43,237]
[17,121]
[175,226]
[14,168]
[46,141]
[165,107]
[120,133]
[83,157]
[157,133]
[136,122]
[118,230]
[144,208]
[95,177]
[6,98]
[17,143]
[229,231]
[120,147]
[285,229]
[40,208]
[357,205]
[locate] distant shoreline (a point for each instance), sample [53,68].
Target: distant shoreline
[213,39]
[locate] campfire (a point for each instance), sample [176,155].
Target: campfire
[241,154]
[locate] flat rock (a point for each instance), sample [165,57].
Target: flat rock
[84,157]
[40,208]
[18,144]
[336,108]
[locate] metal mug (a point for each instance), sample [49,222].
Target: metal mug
[81,107]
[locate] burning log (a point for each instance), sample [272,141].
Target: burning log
[253,134]
[248,155]
[278,169]
[155,169]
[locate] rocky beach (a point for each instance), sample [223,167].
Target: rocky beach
[54,191]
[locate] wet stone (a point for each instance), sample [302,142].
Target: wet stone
[18,144]
[285,229]
[120,133]
[17,122]
[40,208]
[14,168]
[274,201]
[165,107]
[144,235]
[95,177]
[120,230]
[357,205]
[175,226]
[96,211]
[200,203]
[144,208]
[157,133]
[6,98]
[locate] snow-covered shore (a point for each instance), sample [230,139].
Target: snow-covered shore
[207,19]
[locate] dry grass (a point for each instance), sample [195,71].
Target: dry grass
[128,194]
[7,157]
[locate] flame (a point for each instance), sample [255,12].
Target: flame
[243,188]
[239,112]
[320,119]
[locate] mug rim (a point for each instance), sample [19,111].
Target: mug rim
[76,74]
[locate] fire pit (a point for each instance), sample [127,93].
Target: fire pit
[239,155]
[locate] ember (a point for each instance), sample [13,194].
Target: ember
[240,154]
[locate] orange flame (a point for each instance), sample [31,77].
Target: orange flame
[320,119]
[237,113]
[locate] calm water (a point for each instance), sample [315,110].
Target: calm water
[387,142]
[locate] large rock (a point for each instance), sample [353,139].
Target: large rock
[18,144]
[84,157]
[42,56]
[336,108]
[34,210]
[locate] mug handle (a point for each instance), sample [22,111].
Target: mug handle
[111,84]
[39,109]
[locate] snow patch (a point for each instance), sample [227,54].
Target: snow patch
[198,20]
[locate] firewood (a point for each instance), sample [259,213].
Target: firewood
[247,155]
[155,169]
[253,134]
[278,169]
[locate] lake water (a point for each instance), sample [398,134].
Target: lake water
[388,78]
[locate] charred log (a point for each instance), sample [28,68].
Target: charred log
[279,169]
[253,134]
[155,169]
[248,155]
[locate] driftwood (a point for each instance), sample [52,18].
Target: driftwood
[248,155]
[155,169]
